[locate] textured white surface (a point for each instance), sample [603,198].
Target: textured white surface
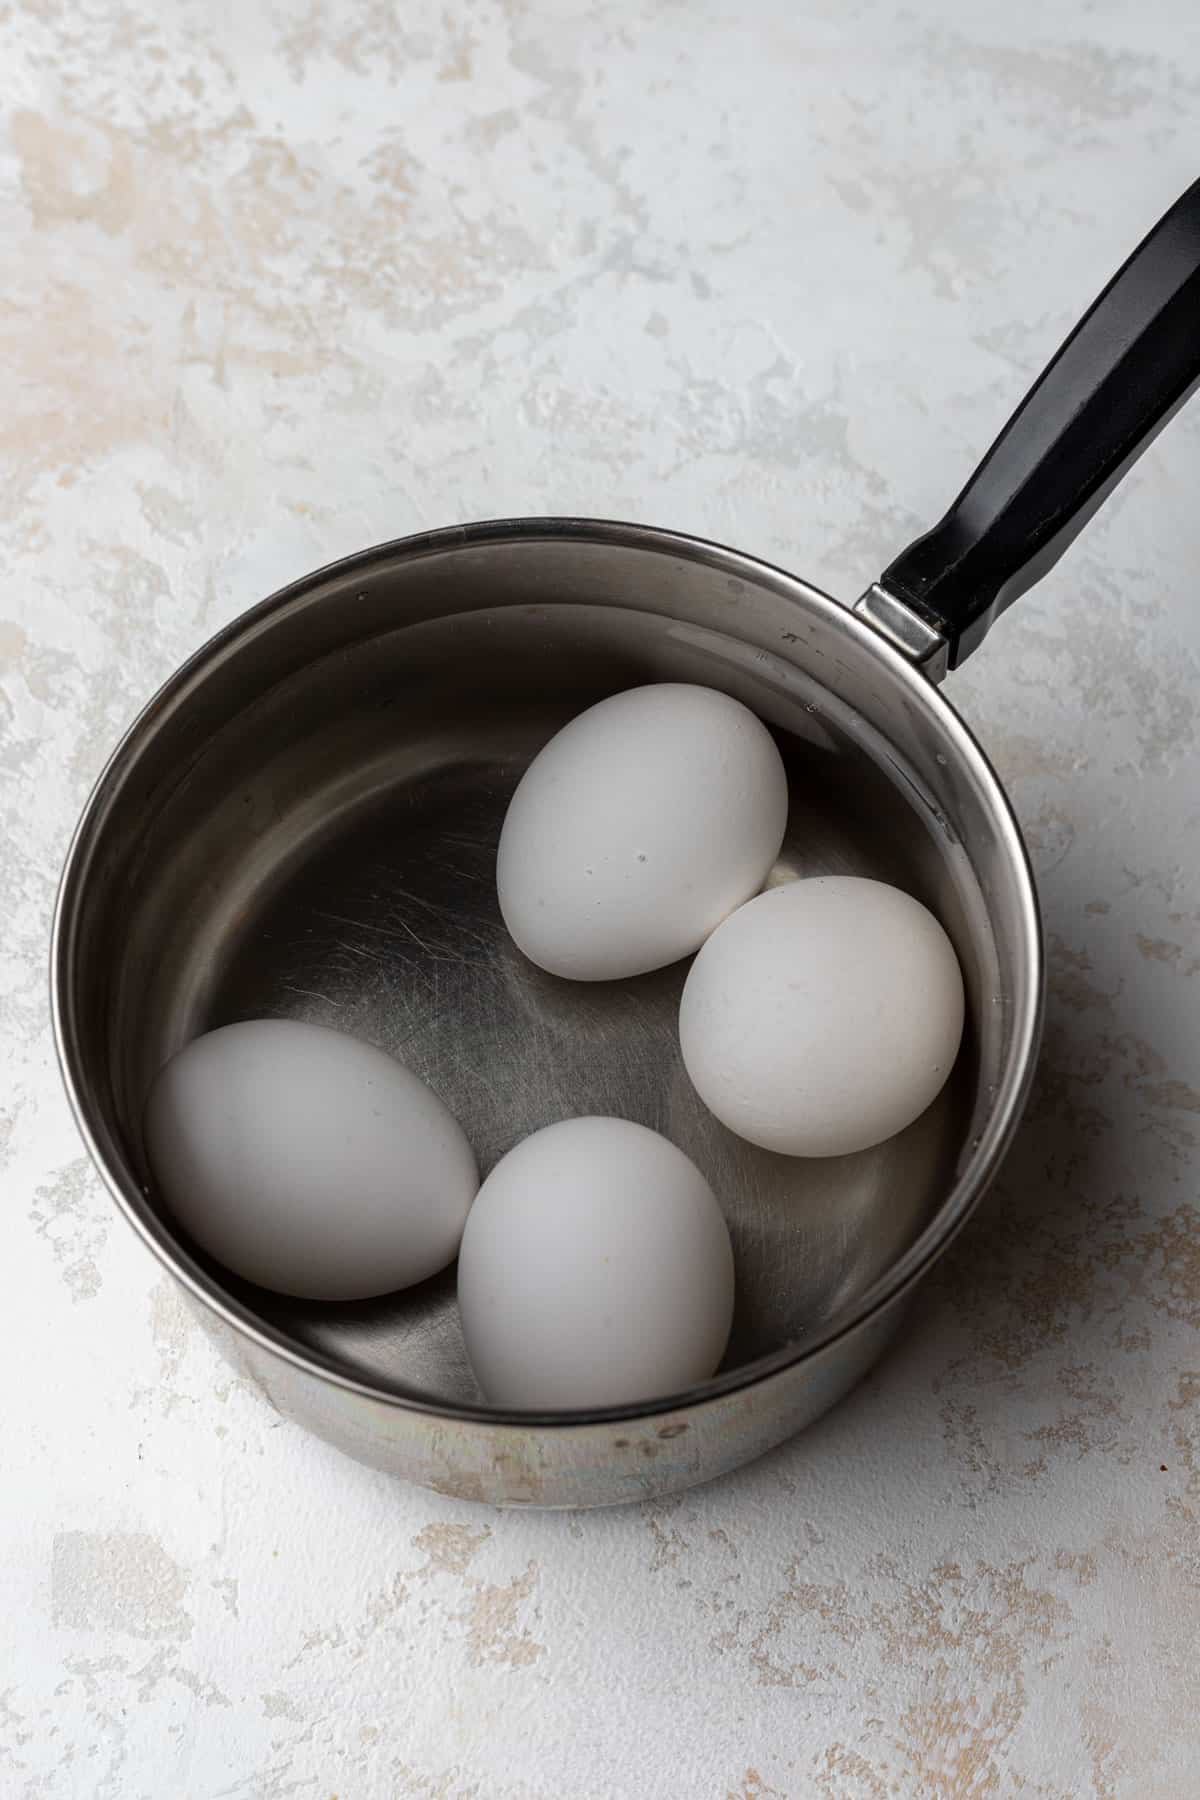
[284,281]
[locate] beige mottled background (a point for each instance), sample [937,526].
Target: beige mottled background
[281,280]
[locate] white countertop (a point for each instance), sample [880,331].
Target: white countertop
[281,282]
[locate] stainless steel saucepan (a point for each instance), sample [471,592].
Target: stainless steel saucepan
[303,824]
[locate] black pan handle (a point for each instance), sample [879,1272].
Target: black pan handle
[1128,366]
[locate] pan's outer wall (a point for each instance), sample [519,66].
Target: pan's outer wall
[702,588]
[565,1466]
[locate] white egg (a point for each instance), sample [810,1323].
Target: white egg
[637,829]
[822,1017]
[595,1270]
[307,1161]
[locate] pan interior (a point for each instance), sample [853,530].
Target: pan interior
[327,851]
[304,823]
[390,931]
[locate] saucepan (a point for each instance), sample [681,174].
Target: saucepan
[303,822]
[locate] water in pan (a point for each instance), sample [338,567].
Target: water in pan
[387,927]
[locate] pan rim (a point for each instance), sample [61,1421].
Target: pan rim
[888,1289]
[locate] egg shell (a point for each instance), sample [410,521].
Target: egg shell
[308,1162]
[596,1270]
[823,1016]
[637,829]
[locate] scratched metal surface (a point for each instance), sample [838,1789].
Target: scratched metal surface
[391,931]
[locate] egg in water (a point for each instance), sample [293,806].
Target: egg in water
[637,829]
[595,1270]
[823,1016]
[308,1162]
